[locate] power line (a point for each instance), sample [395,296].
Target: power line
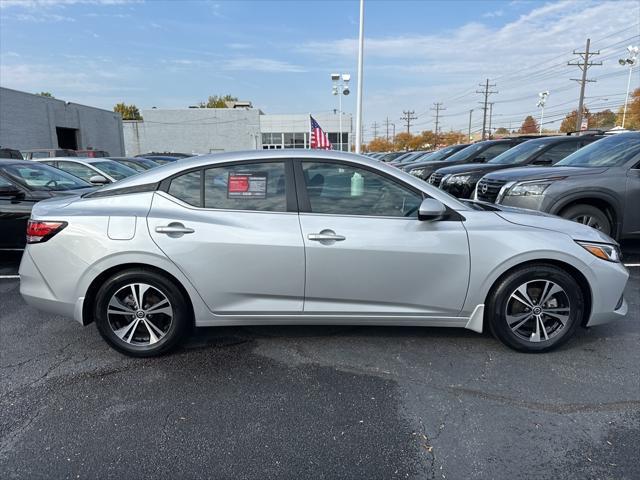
[374,126]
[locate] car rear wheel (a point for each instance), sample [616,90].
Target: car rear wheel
[141,313]
[590,216]
[535,308]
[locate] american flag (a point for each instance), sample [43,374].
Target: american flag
[319,139]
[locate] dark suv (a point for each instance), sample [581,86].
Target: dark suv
[460,180]
[480,152]
[599,186]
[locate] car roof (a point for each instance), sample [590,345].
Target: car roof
[15,161]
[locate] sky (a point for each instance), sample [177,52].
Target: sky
[280,54]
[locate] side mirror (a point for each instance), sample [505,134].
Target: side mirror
[10,191]
[479,160]
[431,210]
[98,180]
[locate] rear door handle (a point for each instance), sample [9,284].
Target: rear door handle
[174,229]
[326,236]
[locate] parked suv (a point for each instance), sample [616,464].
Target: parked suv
[437,156]
[599,186]
[6,152]
[460,180]
[480,152]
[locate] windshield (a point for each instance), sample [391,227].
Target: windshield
[440,154]
[114,169]
[608,152]
[467,153]
[519,153]
[43,177]
[412,157]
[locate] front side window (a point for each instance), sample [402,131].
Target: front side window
[247,186]
[559,151]
[495,150]
[612,151]
[340,189]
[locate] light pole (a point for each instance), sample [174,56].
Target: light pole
[340,88]
[631,61]
[360,69]
[393,138]
[470,113]
[542,99]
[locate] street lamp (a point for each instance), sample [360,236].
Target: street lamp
[340,88]
[631,61]
[542,99]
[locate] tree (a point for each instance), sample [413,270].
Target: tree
[502,131]
[45,94]
[529,125]
[569,122]
[632,121]
[217,101]
[379,145]
[604,120]
[128,112]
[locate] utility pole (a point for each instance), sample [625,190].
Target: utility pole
[408,117]
[386,124]
[584,66]
[486,92]
[470,113]
[374,126]
[437,108]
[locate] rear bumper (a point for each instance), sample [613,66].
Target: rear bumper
[36,291]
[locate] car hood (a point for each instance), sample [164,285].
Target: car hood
[479,168]
[536,219]
[535,173]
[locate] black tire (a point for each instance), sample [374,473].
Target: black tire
[176,326]
[589,215]
[536,277]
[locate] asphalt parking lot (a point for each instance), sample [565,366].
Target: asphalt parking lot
[317,402]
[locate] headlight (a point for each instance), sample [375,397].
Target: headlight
[417,172]
[456,179]
[533,187]
[603,251]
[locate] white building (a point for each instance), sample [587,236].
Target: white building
[207,130]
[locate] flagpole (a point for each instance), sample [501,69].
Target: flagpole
[309,131]
[359,98]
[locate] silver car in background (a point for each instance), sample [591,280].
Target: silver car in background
[98,171]
[308,237]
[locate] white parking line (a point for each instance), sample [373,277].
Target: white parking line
[632,265]
[9,276]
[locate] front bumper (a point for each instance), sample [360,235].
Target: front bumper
[608,284]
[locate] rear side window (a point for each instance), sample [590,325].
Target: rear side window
[77,169]
[188,188]
[248,186]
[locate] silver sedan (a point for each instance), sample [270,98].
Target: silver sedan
[300,236]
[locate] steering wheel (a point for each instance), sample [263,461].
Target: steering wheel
[54,182]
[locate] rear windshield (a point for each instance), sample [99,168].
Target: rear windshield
[612,151]
[43,177]
[114,169]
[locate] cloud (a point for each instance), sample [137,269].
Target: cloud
[239,46]
[33,4]
[494,13]
[261,65]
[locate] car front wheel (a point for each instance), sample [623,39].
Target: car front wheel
[535,308]
[141,313]
[590,216]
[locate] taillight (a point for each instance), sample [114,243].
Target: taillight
[38,232]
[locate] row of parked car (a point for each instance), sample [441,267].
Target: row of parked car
[26,179]
[592,178]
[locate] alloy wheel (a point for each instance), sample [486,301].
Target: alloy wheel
[538,310]
[139,314]
[588,220]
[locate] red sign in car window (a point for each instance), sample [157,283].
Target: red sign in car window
[238,183]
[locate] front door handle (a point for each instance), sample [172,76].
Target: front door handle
[174,229]
[326,236]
